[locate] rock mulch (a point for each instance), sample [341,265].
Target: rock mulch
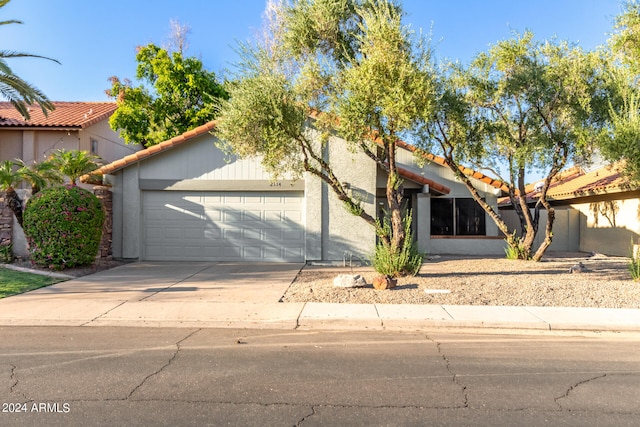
[604,282]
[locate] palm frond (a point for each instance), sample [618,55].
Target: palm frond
[12,54]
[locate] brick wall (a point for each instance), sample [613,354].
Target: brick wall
[6,221]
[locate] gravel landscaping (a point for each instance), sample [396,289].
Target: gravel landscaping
[452,280]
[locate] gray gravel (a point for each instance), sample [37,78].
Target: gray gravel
[484,281]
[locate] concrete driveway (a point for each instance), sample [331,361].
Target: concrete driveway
[157,292]
[182,281]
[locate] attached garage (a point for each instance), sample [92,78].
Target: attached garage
[186,200]
[222,226]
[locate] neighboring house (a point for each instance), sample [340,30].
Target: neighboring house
[595,211]
[184,199]
[71,126]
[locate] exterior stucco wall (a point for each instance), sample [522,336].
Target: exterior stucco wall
[344,235]
[128,207]
[47,141]
[30,145]
[10,145]
[467,246]
[110,146]
[37,144]
[609,227]
[566,228]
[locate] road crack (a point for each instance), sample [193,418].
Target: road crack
[163,367]
[463,388]
[303,419]
[574,386]
[13,377]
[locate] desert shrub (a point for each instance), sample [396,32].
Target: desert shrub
[405,261]
[63,226]
[515,248]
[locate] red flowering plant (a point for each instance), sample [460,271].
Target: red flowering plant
[63,226]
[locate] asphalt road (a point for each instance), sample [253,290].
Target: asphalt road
[85,376]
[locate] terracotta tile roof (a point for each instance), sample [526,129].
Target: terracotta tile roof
[575,183]
[154,149]
[467,171]
[67,115]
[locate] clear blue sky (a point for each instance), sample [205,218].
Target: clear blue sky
[97,39]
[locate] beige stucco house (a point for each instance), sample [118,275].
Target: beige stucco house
[184,199]
[596,210]
[70,126]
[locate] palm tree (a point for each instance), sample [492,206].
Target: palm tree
[10,177]
[18,92]
[74,163]
[40,175]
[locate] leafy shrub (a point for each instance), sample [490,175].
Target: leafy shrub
[406,261]
[6,254]
[63,226]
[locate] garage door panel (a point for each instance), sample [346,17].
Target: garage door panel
[223,226]
[212,233]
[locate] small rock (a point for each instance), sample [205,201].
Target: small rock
[384,282]
[578,268]
[348,281]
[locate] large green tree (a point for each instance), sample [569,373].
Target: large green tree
[20,93]
[622,69]
[175,94]
[521,107]
[351,65]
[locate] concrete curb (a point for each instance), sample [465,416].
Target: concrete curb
[310,316]
[38,272]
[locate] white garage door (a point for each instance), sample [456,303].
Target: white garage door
[223,226]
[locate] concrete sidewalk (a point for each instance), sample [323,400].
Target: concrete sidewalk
[245,296]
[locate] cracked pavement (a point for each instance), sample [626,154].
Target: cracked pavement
[164,376]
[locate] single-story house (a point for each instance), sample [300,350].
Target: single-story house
[596,210]
[70,126]
[184,199]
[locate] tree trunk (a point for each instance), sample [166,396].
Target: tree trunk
[548,234]
[15,203]
[394,199]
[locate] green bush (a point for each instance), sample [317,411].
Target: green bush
[6,254]
[405,261]
[63,226]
